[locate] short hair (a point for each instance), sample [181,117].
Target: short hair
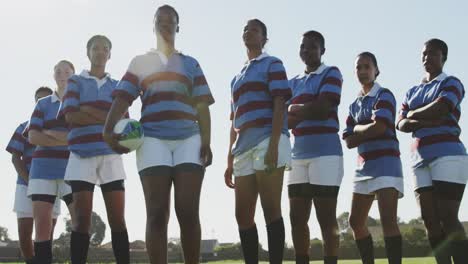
[66,62]
[43,89]
[440,45]
[316,36]
[371,56]
[262,26]
[169,8]
[98,37]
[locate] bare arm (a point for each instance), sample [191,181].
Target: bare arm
[98,114]
[316,110]
[277,122]
[363,132]
[39,138]
[20,166]
[204,121]
[434,110]
[81,118]
[409,125]
[118,109]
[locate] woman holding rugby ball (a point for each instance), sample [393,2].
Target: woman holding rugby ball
[176,148]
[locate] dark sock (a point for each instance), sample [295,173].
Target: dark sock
[366,249]
[275,232]
[43,252]
[440,249]
[29,261]
[393,247]
[79,245]
[330,260]
[249,243]
[460,251]
[302,259]
[120,246]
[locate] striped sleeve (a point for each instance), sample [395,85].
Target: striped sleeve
[350,124]
[201,91]
[37,118]
[71,99]
[330,88]
[129,87]
[278,83]
[17,142]
[384,109]
[451,93]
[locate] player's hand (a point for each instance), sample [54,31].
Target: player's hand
[112,140]
[228,178]
[206,155]
[271,158]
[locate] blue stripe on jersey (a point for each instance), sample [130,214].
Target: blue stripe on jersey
[438,141]
[377,156]
[87,141]
[168,94]
[20,145]
[252,92]
[315,138]
[48,162]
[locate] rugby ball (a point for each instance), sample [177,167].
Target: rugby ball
[130,133]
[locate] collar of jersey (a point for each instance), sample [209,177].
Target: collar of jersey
[439,78]
[259,58]
[319,70]
[164,59]
[86,75]
[373,91]
[54,97]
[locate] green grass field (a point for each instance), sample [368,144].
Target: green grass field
[428,260]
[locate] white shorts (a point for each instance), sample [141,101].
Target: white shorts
[96,170]
[158,152]
[448,169]
[49,187]
[253,159]
[370,186]
[23,204]
[325,170]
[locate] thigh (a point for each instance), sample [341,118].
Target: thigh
[300,209]
[388,203]
[325,209]
[157,190]
[270,187]
[360,206]
[188,179]
[246,194]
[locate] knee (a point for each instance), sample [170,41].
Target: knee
[271,213]
[355,223]
[158,218]
[81,222]
[188,217]
[329,226]
[244,218]
[297,218]
[117,225]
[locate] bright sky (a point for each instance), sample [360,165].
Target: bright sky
[37,34]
